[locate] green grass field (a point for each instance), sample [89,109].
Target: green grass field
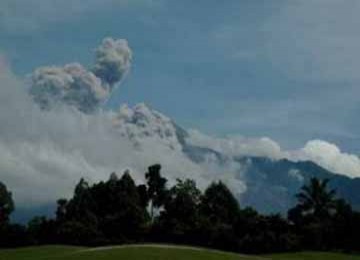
[149,252]
[313,256]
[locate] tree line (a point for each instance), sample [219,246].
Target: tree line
[118,211]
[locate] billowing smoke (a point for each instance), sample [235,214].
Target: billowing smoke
[74,85]
[71,84]
[44,153]
[141,123]
[113,60]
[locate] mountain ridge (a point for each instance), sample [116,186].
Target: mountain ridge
[265,192]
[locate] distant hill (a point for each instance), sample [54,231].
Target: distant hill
[272,184]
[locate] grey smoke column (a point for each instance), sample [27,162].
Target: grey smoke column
[113,60]
[74,85]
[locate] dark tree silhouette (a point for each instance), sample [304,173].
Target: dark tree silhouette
[180,216]
[317,199]
[61,209]
[219,204]
[6,204]
[314,214]
[116,211]
[156,188]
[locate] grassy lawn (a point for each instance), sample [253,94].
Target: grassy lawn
[32,253]
[313,256]
[149,253]
[126,253]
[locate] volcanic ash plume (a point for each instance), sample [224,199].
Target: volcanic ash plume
[74,85]
[113,60]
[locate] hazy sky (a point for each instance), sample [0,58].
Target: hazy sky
[283,69]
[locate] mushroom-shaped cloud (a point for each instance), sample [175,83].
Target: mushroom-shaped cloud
[74,85]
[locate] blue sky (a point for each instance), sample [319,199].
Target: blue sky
[283,69]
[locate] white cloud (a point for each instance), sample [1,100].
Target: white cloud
[238,145]
[330,157]
[325,154]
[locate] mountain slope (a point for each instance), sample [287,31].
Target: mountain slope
[271,184]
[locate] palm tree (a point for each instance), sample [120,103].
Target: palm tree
[315,199]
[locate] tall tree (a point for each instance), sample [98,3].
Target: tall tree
[219,210]
[219,204]
[180,217]
[127,217]
[6,204]
[314,214]
[183,202]
[61,209]
[316,199]
[80,207]
[156,187]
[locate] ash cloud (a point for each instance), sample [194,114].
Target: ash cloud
[44,153]
[79,87]
[113,60]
